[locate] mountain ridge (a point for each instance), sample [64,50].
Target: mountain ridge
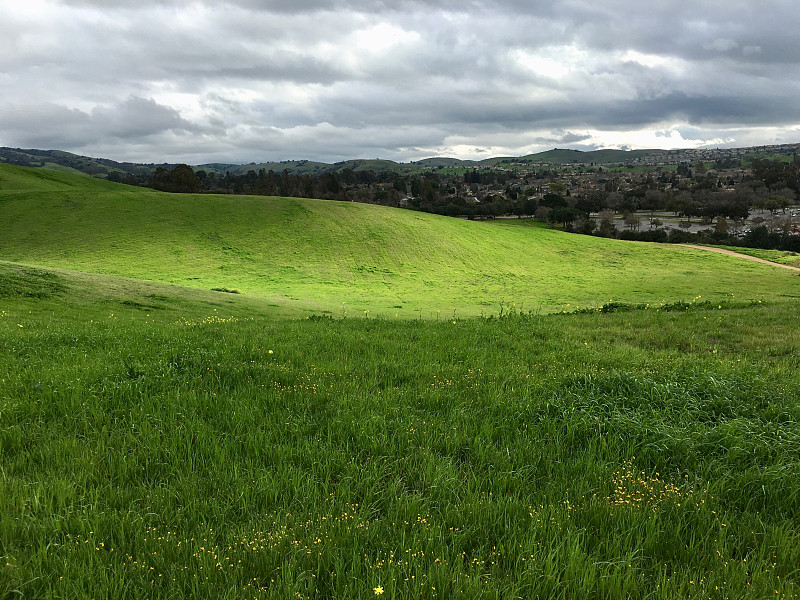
[60,160]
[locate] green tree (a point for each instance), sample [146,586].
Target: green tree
[552,201]
[565,215]
[182,179]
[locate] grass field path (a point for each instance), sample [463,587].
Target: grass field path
[731,253]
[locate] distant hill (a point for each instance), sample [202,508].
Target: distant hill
[434,163]
[308,167]
[565,156]
[100,167]
[58,160]
[104,168]
[296,167]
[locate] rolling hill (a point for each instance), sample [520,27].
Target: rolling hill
[556,156]
[165,441]
[332,257]
[608,156]
[100,167]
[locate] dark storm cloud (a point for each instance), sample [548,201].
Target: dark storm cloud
[131,120]
[250,80]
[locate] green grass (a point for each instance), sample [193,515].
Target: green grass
[315,256]
[171,441]
[73,295]
[63,168]
[779,256]
[31,182]
[175,450]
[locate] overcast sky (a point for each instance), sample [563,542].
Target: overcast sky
[249,80]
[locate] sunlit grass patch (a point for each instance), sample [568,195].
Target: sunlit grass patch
[309,256]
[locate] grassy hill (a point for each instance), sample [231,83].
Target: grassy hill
[297,167]
[170,441]
[556,156]
[68,162]
[100,167]
[58,295]
[327,257]
[564,156]
[433,163]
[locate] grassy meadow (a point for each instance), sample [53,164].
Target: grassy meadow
[322,257]
[783,257]
[171,441]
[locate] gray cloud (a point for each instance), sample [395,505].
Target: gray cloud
[253,80]
[130,121]
[564,138]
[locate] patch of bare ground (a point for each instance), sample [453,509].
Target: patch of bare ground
[731,253]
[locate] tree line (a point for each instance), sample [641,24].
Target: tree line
[578,202]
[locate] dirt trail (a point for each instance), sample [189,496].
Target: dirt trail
[731,253]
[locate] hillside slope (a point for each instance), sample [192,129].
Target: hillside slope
[566,156]
[327,256]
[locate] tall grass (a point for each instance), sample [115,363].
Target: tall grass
[158,441]
[636,454]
